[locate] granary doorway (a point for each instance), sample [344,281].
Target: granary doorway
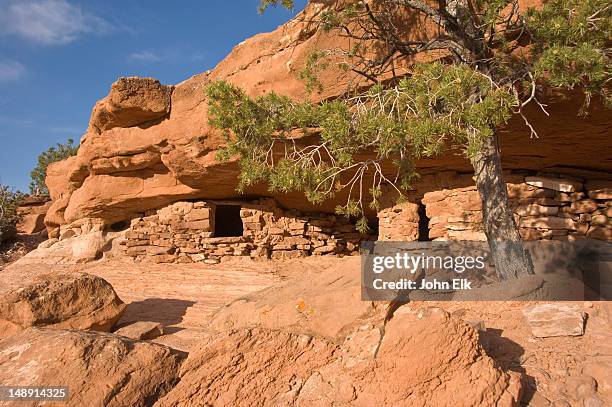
[228,222]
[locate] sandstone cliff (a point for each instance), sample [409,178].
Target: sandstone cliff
[149,145]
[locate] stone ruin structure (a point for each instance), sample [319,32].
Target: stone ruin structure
[207,231]
[146,175]
[546,208]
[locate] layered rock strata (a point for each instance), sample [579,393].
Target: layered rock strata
[149,145]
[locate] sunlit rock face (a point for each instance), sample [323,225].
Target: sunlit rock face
[149,145]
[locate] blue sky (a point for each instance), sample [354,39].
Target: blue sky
[58,57]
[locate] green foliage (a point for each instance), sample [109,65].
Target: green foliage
[9,201]
[315,63]
[332,18]
[438,107]
[264,4]
[51,155]
[571,40]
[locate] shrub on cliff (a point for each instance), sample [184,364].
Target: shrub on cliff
[9,201]
[423,78]
[58,152]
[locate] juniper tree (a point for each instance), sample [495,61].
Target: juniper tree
[481,63]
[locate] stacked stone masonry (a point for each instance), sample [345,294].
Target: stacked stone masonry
[399,223]
[185,232]
[545,208]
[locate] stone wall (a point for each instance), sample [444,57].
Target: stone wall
[185,232]
[545,207]
[399,223]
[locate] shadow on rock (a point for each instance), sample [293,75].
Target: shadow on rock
[508,355]
[165,311]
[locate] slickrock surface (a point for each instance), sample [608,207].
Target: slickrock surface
[59,300]
[325,301]
[100,370]
[422,359]
[181,297]
[188,300]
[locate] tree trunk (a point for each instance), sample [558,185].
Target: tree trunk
[509,255]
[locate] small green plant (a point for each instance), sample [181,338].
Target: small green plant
[9,201]
[56,153]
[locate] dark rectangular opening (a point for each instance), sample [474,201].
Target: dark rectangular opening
[228,222]
[423,224]
[374,228]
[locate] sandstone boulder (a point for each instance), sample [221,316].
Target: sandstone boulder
[83,248]
[256,367]
[418,359]
[32,211]
[74,301]
[131,101]
[427,357]
[100,370]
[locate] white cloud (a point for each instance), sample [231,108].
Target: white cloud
[48,22]
[144,57]
[10,70]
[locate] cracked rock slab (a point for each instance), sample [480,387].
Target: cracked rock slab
[548,320]
[141,331]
